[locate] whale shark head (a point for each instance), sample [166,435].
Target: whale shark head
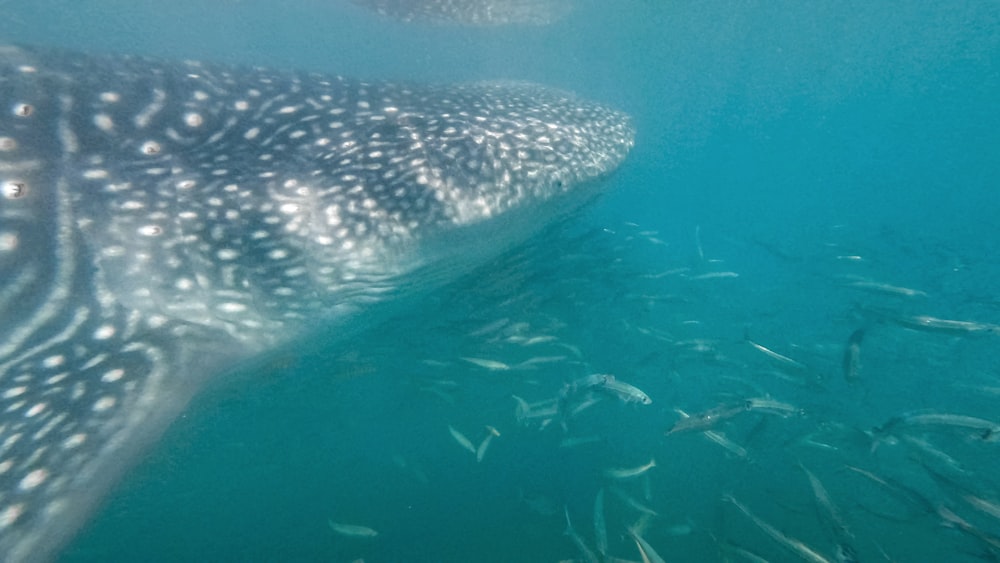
[162,222]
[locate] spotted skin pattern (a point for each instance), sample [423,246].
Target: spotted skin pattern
[162,222]
[472,12]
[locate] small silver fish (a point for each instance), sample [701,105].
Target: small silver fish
[629,472]
[648,553]
[794,545]
[492,365]
[852,356]
[783,362]
[588,555]
[481,450]
[623,391]
[352,530]
[462,440]
[600,528]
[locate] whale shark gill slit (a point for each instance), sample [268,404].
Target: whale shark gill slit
[162,222]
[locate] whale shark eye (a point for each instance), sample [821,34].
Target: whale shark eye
[14,190]
[23,110]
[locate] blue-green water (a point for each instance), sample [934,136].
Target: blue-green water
[803,147]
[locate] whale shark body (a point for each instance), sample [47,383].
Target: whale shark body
[161,223]
[472,12]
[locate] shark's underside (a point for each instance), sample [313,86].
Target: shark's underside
[162,222]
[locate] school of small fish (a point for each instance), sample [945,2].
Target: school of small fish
[848,453]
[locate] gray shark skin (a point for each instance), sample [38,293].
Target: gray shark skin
[472,12]
[162,223]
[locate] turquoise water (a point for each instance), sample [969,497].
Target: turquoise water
[805,153]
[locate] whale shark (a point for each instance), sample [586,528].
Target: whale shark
[165,223]
[471,12]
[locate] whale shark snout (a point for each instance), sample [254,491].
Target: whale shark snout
[162,222]
[522,144]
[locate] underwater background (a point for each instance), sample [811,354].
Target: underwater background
[802,172]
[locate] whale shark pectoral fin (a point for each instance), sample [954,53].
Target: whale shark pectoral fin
[78,407]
